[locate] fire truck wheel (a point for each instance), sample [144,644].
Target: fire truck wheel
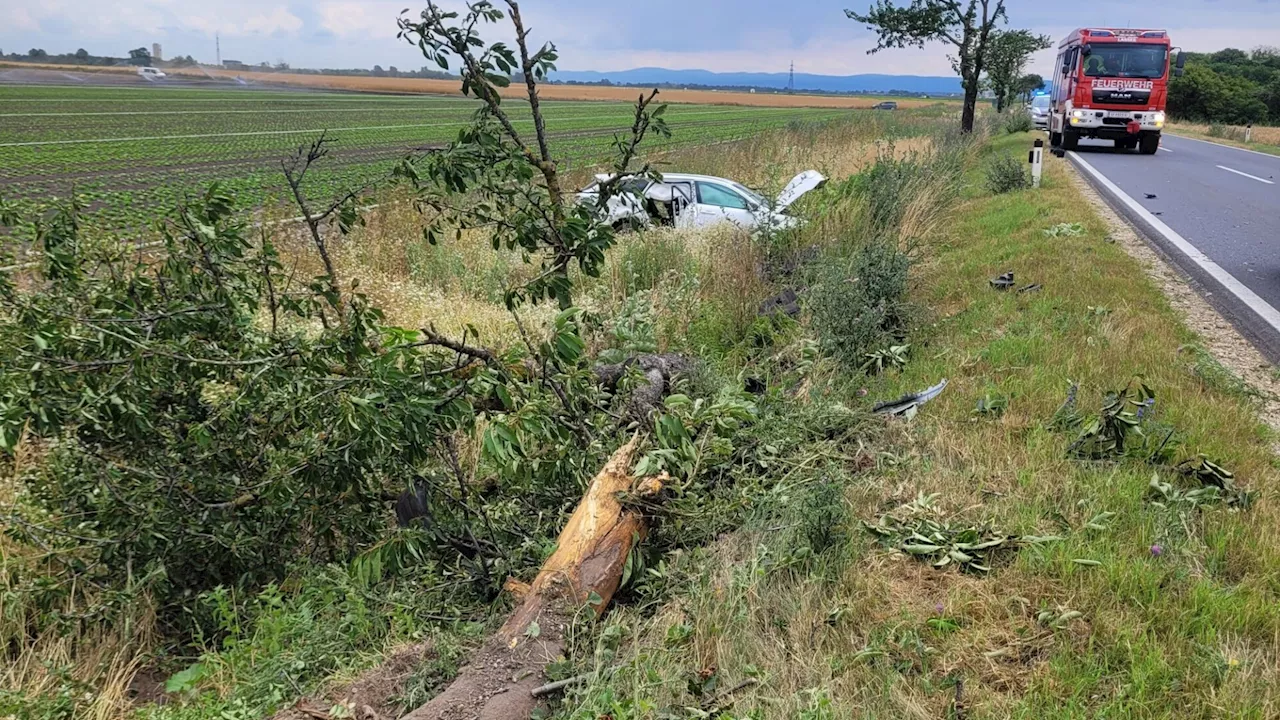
[1070,140]
[1055,139]
[1149,144]
[1127,144]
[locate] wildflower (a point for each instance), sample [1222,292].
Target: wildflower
[1157,550]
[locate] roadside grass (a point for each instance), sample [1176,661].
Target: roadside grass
[1263,139]
[1139,610]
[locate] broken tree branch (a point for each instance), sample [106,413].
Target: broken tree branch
[585,570]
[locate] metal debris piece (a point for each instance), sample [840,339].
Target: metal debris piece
[1004,282]
[906,405]
[1033,287]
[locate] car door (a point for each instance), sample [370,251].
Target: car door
[719,203]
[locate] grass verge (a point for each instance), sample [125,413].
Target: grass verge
[1142,609]
[1262,139]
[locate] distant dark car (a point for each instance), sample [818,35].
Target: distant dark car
[886,105]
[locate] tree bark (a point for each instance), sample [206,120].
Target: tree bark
[970,107]
[585,569]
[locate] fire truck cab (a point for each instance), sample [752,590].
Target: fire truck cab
[1112,84]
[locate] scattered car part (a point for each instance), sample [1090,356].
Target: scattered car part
[906,405]
[1003,282]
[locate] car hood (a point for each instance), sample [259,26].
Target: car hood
[799,185]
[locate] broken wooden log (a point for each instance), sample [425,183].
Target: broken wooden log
[499,681]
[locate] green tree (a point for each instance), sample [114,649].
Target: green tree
[82,55]
[1006,59]
[967,26]
[527,190]
[1206,95]
[140,56]
[1028,84]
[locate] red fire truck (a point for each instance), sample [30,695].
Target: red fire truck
[1112,84]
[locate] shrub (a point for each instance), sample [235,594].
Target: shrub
[859,306]
[1018,122]
[1006,174]
[203,421]
[887,188]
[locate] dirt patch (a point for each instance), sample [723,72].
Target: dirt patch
[1221,339]
[374,695]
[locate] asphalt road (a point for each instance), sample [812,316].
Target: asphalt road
[1214,211]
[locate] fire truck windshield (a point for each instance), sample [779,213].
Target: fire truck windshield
[1125,60]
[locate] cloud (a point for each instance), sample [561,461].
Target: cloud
[277,21]
[723,35]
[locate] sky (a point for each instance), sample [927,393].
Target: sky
[718,35]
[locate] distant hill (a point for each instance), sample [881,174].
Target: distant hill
[914,84]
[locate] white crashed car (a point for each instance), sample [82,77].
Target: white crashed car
[683,200]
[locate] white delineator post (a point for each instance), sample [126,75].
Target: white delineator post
[1248,132]
[1036,158]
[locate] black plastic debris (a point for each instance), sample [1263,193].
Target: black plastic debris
[785,302]
[1033,287]
[906,405]
[1004,282]
[1150,196]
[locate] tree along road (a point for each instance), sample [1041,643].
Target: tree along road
[1214,211]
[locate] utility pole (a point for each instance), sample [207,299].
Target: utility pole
[217,48]
[791,79]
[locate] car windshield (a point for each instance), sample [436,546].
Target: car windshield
[1040,101]
[750,195]
[1127,61]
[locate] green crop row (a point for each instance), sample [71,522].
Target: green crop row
[131,154]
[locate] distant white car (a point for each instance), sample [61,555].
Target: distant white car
[684,200]
[1039,111]
[150,73]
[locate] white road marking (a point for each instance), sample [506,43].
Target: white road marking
[1165,149]
[1251,177]
[1259,306]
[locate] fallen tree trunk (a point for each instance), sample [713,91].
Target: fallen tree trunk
[499,680]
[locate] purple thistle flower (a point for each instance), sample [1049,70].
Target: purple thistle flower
[1157,550]
[1144,407]
[939,608]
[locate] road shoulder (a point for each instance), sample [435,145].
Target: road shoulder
[1221,338]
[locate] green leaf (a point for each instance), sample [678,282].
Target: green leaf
[186,679]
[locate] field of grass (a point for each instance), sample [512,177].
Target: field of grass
[417,86]
[131,154]
[1262,138]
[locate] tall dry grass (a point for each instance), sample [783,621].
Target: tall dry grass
[1261,134]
